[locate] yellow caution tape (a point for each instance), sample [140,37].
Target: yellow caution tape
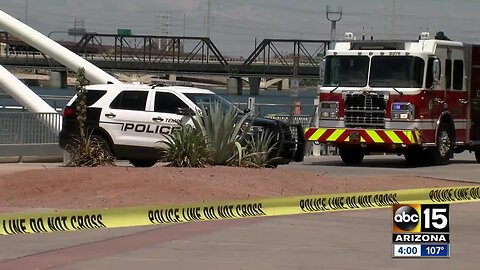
[149,215]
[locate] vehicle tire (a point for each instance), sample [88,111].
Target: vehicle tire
[477,156]
[143,163]
[351,155]
[415,156]
[443,150]
[102,142]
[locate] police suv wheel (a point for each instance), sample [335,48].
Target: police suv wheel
[102,142]
[143,162]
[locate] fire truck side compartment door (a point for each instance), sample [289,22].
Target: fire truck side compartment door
[475,94]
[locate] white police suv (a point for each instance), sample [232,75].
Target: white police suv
[131,119]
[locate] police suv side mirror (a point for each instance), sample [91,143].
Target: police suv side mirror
[185,111]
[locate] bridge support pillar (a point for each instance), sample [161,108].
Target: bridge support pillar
[254,83]
[172,77]
[234,86]
[58,79]
[284,84]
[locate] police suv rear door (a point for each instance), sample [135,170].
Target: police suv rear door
[126,118]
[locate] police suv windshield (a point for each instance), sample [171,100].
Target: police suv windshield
[385,71]
[206,100]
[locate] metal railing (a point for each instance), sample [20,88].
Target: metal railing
[57,102]
[24,129]
[29,128]
[292,117]
[29,134]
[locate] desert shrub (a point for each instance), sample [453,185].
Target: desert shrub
[89,151]
[86,150]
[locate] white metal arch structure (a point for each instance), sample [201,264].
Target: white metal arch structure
[25,96]
[21,93]
[51,48]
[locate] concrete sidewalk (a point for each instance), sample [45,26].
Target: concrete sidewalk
[344,240]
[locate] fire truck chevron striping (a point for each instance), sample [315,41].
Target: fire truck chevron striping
[417,98]
[365,135]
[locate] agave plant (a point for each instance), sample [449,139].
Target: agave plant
[223,131]
[259,148]
[186,147]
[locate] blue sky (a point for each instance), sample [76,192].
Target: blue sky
[236,23]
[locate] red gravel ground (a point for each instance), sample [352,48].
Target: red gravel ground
[77,188]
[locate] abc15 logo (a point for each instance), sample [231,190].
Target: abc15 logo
[419,218]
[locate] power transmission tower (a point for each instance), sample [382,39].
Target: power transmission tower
[78,28]
[393,19]
[209,17]
[208,20]
[165,25]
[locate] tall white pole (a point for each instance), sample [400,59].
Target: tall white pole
[54,50]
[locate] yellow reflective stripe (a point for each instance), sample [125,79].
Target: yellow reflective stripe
[374,135]
[412,135]
[417,133]
[335,135]
[391,134]
[409,135]
[319,132]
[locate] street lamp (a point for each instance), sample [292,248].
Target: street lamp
[334,14]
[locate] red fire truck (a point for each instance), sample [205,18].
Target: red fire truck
[418,98]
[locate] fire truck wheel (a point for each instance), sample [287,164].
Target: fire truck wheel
[415,156]
[477,156]
[351,156]
[443,150]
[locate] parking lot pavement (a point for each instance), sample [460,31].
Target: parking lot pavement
[343,240]
[463,167]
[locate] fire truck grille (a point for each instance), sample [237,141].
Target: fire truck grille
[365,111]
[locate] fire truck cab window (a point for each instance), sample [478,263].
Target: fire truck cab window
[458,75]
[397,71]
[346,71]
[448,74]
